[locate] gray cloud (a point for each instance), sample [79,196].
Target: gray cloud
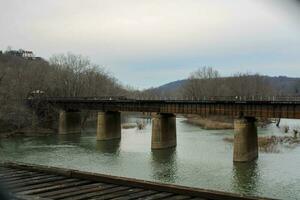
[166,38]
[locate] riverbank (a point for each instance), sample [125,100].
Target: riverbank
[211,123]
[218,122]
[38,131]
[29,131]
[271,144]
[128,125]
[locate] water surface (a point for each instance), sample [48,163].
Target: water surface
[202,159]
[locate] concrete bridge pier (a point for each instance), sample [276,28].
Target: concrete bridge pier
[109,125]
[245,140]
[163,131]
[69,122]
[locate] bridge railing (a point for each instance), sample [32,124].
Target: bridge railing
[162,98]
[225,98]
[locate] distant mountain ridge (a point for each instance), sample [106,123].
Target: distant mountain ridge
[284,85]
[172,86]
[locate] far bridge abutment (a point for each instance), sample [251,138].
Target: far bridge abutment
[69,122]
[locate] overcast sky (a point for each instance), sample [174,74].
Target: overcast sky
[147,43]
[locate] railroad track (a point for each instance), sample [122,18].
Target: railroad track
[30,182]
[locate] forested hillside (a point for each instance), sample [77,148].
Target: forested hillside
[64,75]
[200,83]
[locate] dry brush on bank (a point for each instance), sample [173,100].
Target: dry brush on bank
[218,122]
[271,144]
[210,123]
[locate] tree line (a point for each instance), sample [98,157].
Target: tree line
[208,82]
[71,75]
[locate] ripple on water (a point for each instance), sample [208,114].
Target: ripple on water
[202,159]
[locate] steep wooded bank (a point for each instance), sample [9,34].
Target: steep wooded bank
[64,75]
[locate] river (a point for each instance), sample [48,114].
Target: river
[201,159]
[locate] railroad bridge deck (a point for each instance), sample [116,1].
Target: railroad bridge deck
[27,182]
[267,107]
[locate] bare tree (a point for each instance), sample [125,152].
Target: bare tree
[201,83]
[207,82]
[75,75]
[296,88]
[245,84]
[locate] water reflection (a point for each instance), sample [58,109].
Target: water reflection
[164,166]
[245,177]
[68,138]
[110,146]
